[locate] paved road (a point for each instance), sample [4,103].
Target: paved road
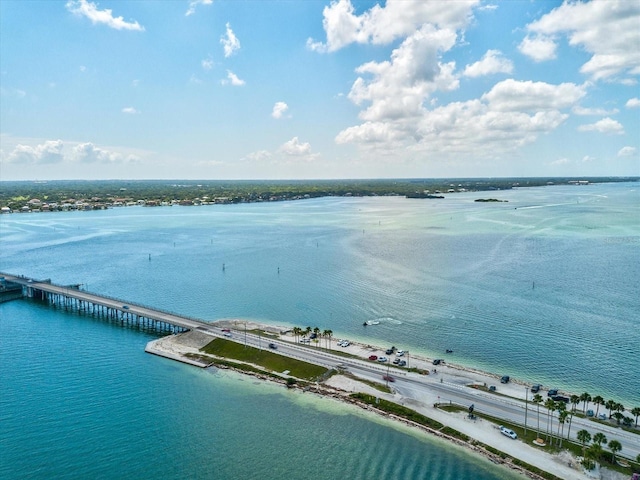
[420,388]
[412,386]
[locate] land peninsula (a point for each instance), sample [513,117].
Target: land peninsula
[30,196]
[264,351]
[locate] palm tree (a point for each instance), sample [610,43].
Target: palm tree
[594,451]
[570,422]
[614,446]
[610,405]
[618,416]
[551,406]
[327,334]
[316,331]
[600,438]
[584,437]
[537,399]
[635,411]
[562,416]
[598,400]
[307,331]
[575,399]
[586,398]
[296,332]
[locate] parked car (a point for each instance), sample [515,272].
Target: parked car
[400,353]
[382,359]
[402,363]
[505,379]
[590,413]
[396,361]
[602,416]
[552,392]
[560,398]
[536,388]
[389,351]
[492,388]
[373,357]
[437,361]
[508,432]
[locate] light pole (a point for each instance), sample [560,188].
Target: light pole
[526,409]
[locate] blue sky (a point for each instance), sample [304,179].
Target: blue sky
[261,89]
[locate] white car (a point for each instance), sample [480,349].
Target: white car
[382,359]
[400,353]
[508,432]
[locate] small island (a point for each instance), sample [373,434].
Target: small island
[490,200]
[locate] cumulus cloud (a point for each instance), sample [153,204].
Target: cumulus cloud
[399,87]
[606,125]
[384,24]
[605,29]
[89,153]
[232,79]
[279,109]
[229,42]
[492,62]
[130,111]
[539,49]
[194,3]
[510,115]
[633,103]
[627,152]
[48,152]
[295,148]
[52,152]
[83,8]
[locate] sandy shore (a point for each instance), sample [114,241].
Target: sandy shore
[338,386]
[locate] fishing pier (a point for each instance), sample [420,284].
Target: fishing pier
[71,298]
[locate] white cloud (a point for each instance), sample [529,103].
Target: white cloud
[539,49]
[232,79]
[578,110]
[194,3]
[207,63]
[633,103]
[382,25]
[400,86]
[279,109]
[259,156]
[513,95]
[607,29]
[230,42]
[48,152]
[492,62]
[83,8]
[627,152]
[560,162]
[130,111]
[294,148]
[510,115]
[606,125]
[89,153]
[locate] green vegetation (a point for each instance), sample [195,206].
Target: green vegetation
[398,410]
[100,194]
[270,361]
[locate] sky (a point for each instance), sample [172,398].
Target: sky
[318,89]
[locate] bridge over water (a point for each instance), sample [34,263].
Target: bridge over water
[70,297]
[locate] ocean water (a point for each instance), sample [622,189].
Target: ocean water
[543,287]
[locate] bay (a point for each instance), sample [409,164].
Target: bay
[543,287]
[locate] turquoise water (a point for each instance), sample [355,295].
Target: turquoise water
[543,287]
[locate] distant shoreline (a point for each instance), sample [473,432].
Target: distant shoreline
[64,195]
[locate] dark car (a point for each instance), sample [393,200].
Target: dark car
[437,361]
[536,388]
[560,398]
[389,351]
[373,357]
[273,346]
[505,379]
[492,388]
[552,392]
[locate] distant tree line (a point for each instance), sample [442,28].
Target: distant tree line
[15,194]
